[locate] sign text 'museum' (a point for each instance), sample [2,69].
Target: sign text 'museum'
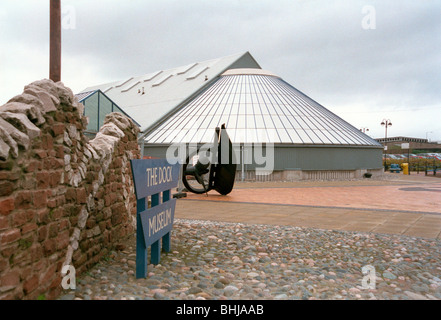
[160,221]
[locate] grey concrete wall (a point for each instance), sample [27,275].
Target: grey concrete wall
[288,158]
[327,158]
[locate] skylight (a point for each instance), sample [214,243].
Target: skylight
[130,86]
[151,76]
[197,72]
[187,68]
[162,80]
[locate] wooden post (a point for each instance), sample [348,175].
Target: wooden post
[155,248]
[141,249]
[55,41]
[166,240]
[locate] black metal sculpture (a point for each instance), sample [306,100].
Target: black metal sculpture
[215,171]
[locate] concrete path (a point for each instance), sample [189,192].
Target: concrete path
[398,204]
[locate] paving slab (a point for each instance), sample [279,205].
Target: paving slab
[396,204]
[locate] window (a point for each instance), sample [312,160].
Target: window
[105,107]
[91,111]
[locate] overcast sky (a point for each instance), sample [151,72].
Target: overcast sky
[364,60]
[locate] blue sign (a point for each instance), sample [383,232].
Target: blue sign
[155,221]
[153,176]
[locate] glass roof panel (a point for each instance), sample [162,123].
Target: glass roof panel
[232,121]
[251,135]
[260,123]
[262,136]
[250,122]
[284,136]
[293,135]
[257,107]
[249,108]
[240,135]
[277,122]
[268,121]
[179,136]
[304,137]
[273,135]
[241,120]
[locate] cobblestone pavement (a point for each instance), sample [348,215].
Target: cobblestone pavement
[212,260]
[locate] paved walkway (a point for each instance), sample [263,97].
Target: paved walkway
[262,260]
[398,204]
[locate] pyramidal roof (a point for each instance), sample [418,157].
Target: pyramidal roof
[256,106]
[150,97]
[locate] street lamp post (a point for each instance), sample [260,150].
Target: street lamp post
[385,123]
[427,135]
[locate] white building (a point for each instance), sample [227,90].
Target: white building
[186,104]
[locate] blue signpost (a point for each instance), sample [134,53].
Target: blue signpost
[151,178]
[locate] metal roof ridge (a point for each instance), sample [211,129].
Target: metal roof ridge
[249,71]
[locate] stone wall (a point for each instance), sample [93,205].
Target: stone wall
[63,200]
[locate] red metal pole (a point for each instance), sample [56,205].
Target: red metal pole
[55,41]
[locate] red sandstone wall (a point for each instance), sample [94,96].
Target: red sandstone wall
[63,199]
